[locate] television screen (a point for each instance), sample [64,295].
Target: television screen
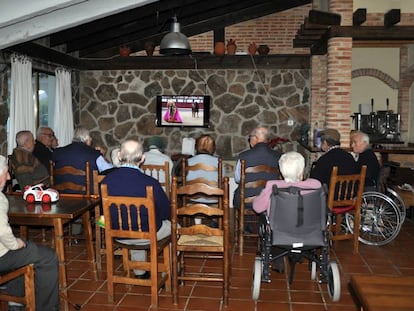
[183,110]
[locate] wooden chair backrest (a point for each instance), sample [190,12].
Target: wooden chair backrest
[155,171]
[259,183]
[123,216]
[202,167]
[97,179]
[29,297]
[84,188]
[346,190]
[191,210]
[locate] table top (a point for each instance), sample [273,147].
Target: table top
[384,293]
[68,207]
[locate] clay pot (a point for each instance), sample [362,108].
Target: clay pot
[231,47]
[219,48]
[252,48]
[263,49]
[149,48]
[124,51]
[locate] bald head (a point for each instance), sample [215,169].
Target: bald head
[259,135]
[131,152]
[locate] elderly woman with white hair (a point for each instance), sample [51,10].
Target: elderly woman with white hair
[16,253]
[291,166]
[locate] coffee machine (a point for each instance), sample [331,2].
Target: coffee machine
[382,126]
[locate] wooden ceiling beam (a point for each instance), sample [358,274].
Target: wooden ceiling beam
[324,18]
[359,17]
[392,17]
[201,24]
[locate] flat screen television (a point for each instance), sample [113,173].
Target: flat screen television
[183,110]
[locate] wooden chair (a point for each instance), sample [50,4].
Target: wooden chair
[202,167]
[199,238]
[156,172]
[186,169]
[29,298]
[256,186]
[345,196]
[69,187]
[83,187]
[130,224]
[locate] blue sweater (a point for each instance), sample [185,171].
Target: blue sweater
[132,182]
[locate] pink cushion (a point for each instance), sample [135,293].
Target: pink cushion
[342,209]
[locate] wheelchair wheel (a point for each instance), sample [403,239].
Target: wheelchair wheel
[334,281]
[398,201]
[257,278]
[380,219]
[313,270]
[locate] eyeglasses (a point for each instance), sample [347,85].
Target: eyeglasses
[48,134]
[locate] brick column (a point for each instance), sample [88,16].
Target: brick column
[338,99]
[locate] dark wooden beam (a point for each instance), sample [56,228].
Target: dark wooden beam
[219,35]
[324,18]
[46,54]
[359,17]
[199,62]
[193,26]
[392,17]
[373,33]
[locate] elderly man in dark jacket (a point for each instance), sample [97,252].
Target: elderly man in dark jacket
[260,153]
[129,180]
[334,156]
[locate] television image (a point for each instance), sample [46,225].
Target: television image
[183,110]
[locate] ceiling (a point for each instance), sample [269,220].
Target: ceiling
[85,29]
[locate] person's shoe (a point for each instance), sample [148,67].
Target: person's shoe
[144,276]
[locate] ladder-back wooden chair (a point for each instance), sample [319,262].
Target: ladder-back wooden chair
[189,238]
[345,196]
[160,173]
[27,272]
[247,216]
[207,172]
[83,187]
[123,221]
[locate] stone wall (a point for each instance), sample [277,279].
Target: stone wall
[116,105]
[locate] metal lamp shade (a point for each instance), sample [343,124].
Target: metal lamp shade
[175,43]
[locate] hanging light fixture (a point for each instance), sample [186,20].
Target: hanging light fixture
[174,42]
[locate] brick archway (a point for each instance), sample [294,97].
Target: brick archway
[375,73]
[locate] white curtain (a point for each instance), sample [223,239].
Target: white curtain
[22,109]
[63,118]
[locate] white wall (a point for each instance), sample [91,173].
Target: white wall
[365,88]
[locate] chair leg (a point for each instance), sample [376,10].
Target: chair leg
[174,275]
[241,233]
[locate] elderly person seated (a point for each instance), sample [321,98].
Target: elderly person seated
[291,166]
[364,155]
[27,169]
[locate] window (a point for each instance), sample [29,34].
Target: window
[44,86]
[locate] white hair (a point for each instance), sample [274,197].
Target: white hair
[292,166]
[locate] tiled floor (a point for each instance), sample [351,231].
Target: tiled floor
[303,294]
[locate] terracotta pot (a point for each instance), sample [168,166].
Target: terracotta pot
[149,48]
[263,49]
[124,51]
[231,47]
[219,48]
[252,48]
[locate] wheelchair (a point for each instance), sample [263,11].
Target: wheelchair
[382,213]
[297,225]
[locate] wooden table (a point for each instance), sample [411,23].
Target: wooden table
[380,293]
[56,214]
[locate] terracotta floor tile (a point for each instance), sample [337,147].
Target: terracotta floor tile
[394,258]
